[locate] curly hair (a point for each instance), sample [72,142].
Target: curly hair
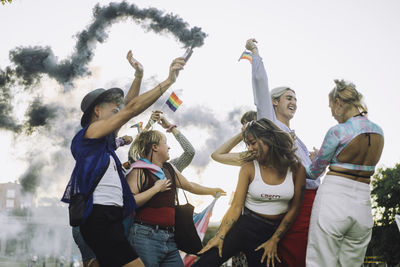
[141,146]
[347,92]
[281,149]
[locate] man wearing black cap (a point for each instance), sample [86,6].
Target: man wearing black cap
[93,148]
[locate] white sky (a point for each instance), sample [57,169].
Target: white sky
[304,44]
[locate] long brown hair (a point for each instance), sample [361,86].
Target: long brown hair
[281,150]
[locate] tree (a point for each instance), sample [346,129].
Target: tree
[5,1]
[386,204]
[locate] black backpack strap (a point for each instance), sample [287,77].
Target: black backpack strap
[96,182]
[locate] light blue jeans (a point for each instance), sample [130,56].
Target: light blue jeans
[156,248]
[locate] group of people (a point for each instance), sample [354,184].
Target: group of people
[281,214]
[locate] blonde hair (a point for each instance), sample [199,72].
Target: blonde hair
[348,93]
[141,146]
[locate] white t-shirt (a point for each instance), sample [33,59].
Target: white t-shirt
[109,190]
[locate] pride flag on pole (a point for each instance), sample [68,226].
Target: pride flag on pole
[246,55]
[173,102]
[201,221]
[139,126]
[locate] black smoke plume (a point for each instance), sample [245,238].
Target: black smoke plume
[31,63]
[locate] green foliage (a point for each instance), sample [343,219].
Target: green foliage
[5,1]
[386,204]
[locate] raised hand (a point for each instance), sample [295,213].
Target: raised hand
[127,139]
[174,68]
[164,122]
[250,45]
[134,63]
[156,115]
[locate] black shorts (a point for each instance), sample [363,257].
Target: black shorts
[103,231]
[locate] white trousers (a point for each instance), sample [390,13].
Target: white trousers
[340,225]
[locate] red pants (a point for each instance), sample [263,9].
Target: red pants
[292,248]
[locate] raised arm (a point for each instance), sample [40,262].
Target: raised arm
[271,245]
[234,211]
[135,86]
[136,106]
[261,94]
[195,188]
[223,155]
[186,157]
[136,179]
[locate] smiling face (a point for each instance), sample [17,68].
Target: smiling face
[285,106]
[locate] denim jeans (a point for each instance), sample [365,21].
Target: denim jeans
[155,247]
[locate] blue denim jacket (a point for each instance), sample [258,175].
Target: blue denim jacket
[92,157]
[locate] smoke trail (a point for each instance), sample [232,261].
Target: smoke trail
[39,114]
[219,130]
[32,62]
[31,178]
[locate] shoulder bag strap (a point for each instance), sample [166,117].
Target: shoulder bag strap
[96,182]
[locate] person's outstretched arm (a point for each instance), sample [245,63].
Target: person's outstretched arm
[186,157]
[259,78]
[194,188]
[222,154]
[234,211]
[136,106]
[135,86]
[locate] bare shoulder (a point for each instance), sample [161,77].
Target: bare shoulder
[247,168]
[133,173]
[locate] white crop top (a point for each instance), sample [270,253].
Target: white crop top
[269,199]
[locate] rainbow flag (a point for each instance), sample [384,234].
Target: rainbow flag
[173,102]
[139,126]
[246,55]
[201,221]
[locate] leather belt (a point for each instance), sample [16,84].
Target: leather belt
[157,227]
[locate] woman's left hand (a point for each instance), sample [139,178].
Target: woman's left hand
[218,191]
[271,251]
[134,63]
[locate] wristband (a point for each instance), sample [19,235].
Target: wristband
[171,127]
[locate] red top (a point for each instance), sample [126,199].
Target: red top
[160,209]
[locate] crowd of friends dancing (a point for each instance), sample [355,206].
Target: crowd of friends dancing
[281,213]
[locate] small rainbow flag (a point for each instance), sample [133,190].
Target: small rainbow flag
[246,55]
[139,126]
[173,102]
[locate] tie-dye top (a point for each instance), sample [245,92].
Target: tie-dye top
[336,139]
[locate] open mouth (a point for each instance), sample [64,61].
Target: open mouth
[292,108]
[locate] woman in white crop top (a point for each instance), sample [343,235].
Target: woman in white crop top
[269,192]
